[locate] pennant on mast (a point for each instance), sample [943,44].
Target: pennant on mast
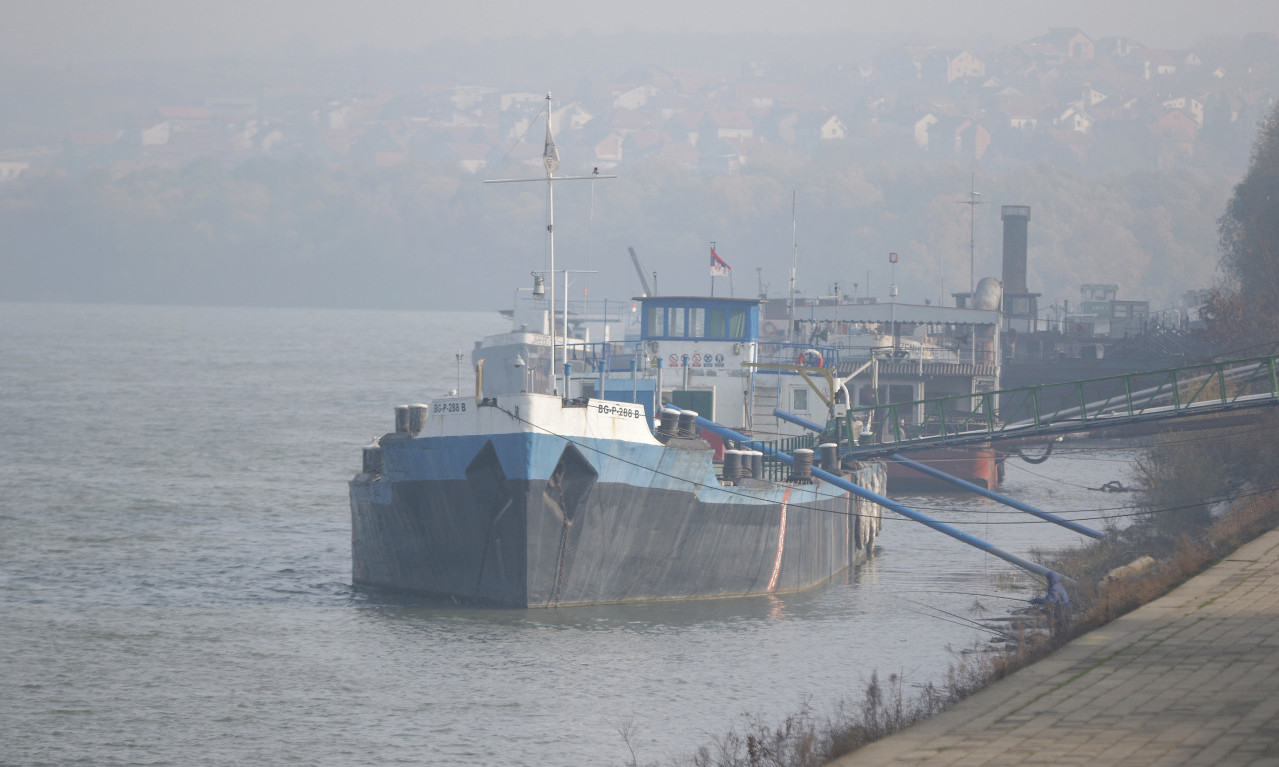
[550,154]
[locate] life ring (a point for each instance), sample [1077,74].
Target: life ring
[806,357]
[770,328]
[1079,328]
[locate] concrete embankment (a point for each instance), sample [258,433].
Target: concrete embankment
[1189,679]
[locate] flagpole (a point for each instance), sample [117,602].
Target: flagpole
[712,271]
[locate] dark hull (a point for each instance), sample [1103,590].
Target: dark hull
[617,543]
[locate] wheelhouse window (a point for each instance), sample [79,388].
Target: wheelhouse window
[697,323]
[715,322]
[710,319]
[677,317]
[656,321]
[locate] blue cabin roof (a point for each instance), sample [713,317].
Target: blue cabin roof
[699,318]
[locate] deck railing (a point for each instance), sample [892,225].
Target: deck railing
[1076,405]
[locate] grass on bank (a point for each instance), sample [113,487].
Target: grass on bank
[1183,537]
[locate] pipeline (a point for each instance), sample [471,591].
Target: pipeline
[798,420]
[887,503]
[1007,501]
[930,471]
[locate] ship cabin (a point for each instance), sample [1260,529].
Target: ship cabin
[698,345]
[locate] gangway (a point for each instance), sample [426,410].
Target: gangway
[1059,408]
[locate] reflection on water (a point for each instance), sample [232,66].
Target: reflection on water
[176,568]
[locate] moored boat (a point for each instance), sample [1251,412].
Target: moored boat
[533,500]
[554,485]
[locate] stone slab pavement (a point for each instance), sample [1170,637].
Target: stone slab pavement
[1189,679]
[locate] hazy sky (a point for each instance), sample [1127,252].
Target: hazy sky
[53,32]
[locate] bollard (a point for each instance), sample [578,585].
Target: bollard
[417,417]
[830,456]
[732,465]
[688,424]
[669,425]
[802,469]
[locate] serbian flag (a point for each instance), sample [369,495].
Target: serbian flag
[719,267]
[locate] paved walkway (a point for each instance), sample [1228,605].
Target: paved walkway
[1190,679]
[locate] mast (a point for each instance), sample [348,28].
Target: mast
[550,162]
[794,268]
[972,202]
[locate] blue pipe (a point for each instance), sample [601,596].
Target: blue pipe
[799,421]
[887,503]
[1013,502]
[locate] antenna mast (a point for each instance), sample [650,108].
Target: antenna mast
[972,202]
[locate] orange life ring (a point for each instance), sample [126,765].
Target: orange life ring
[770,328]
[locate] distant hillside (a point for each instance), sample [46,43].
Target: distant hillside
[298,232]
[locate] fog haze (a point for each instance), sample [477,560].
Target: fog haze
[316,153]
[68,31]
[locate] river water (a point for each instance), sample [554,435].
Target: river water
[175,568]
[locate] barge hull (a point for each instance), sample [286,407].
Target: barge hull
[617,543]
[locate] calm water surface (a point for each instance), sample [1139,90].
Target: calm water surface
[175,568]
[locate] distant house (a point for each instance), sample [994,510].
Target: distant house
[571,117]
[1062,44]
[608,150]
[832,129]
[509,100]
[156,134]
[964,65]
[922,127]
[467,97]
[1158,64]
[632,96]
[1091,97]
[729,124]
[1117,47]
[1075,119]
[12,170]
[1175,133]
[795,127]
[1021,113]
[1191,106]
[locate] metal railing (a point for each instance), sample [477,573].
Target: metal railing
[1076,405]
[775,469]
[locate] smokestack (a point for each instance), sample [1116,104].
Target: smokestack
[1016,220]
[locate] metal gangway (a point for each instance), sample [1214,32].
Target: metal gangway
[1059,408]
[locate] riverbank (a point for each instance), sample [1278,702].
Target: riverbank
[1187,679]
[1137,566]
